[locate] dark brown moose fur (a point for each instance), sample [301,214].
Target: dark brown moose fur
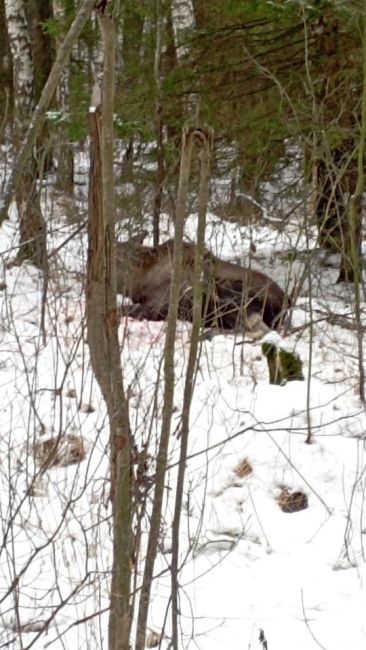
[234,297]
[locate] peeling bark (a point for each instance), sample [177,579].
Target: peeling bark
[102,323]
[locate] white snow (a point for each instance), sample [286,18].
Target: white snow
[247,565]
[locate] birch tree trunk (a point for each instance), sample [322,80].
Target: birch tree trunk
[31,223]
[37,119]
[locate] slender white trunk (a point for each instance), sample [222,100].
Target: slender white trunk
[20,48]
[183,22]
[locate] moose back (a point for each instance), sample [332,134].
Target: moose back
[234,297]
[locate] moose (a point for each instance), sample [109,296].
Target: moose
[234,298]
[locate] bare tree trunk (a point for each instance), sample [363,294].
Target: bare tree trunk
[158,127]
[200,16]
[175,109]
[354,221]
[102,321]
[22,62]
[336,184]
[32,226]
[6,88]
[43,54]
[204,139]
[336,165]
[37,119]
[62,148]
[161,462]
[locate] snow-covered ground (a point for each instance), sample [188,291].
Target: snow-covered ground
[251,574]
